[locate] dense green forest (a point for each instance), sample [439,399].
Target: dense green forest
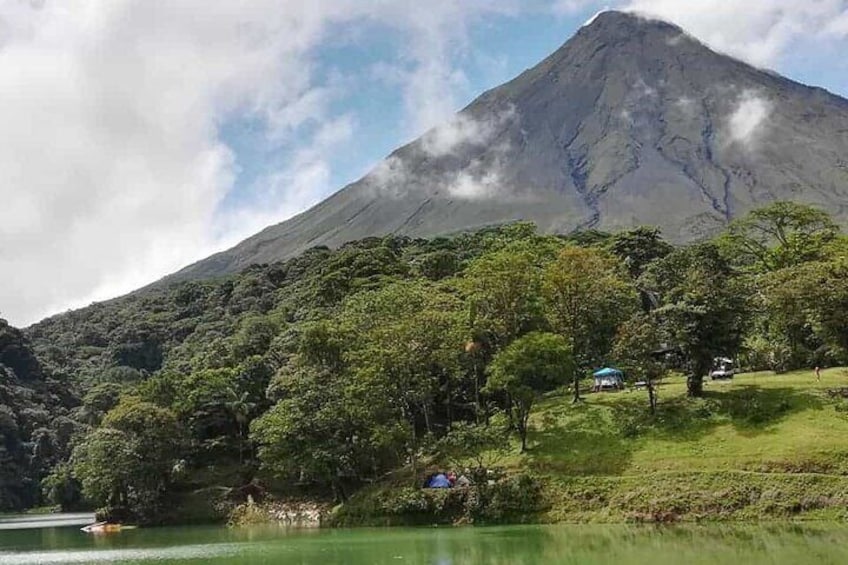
[323,374]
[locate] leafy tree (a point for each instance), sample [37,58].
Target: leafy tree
[122,375]
[98,401]
[806,307]
[240,407]
[327,430]
[439,265]
[702,307]
[527,368]
[638,248]
[503,289]
[587,296]
[104,465]
[354,269]
[128,461]
[634,351]
[409,344]
[777,236]
[217,406]
[62,489]
[484,445]
[16,354]
[253,337]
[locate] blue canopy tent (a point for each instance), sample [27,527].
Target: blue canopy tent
[608,379]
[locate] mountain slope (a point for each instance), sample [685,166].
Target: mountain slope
[630,122]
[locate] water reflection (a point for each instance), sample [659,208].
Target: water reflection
[584,545]
[39,521]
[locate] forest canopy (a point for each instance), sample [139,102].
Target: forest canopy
[327,371]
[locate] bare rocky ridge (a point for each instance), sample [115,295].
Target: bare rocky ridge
[631,122]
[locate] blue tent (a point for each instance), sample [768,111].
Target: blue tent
[439,480]
[608,378]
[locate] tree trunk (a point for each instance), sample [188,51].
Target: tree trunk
[241,443]
[339,494]
[425,409]
[695,385]
[522,433]
[413,452]
[477,408]
[509,411]
[576,398]
[449,401]
[695,381]
[652,397]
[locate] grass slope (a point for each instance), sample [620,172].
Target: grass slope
[760,446]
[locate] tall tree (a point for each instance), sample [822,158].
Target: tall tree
[638,248]
[634,351]
[503,290]
[780,235]
[532,365]
[807,305]
[408,341]
[587,296]
[702,307]
[327,430]
[128,461]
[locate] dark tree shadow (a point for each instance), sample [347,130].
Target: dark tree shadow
[578,440]
[750,409]
[754,410]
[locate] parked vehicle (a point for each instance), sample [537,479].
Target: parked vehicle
[723,369]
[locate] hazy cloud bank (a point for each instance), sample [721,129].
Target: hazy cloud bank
[114,170]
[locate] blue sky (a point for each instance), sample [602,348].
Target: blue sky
[149,134]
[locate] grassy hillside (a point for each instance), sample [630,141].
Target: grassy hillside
[763,446]
[757,422]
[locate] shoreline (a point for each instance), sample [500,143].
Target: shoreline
[697,497]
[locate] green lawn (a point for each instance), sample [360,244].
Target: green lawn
[777,441]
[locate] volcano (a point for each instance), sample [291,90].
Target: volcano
[631,122]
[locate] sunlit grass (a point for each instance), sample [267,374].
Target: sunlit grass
[756,422]
[759,447]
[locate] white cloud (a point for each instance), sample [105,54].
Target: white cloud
[757,31]
[571,7]
[113,171]
[483,178]
[469,185]
[466,130]
[749,119]
[838,26]
[389,178]
[433,85]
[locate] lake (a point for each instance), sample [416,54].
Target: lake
[773,544]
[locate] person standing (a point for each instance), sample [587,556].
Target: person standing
[818,374]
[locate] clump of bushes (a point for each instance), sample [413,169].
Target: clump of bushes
[513,499]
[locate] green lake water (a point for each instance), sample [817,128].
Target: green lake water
[590,544]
